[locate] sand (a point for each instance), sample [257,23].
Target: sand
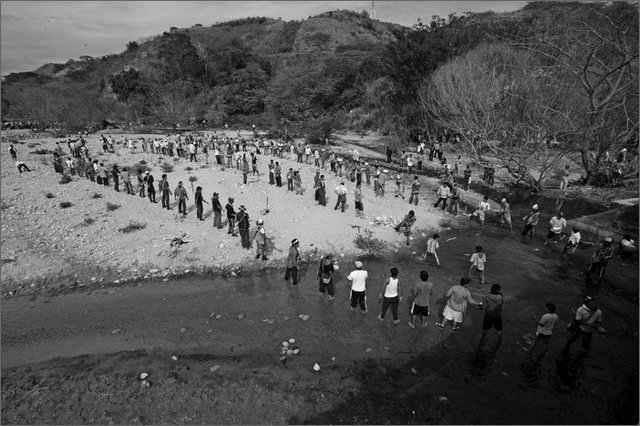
[46,247]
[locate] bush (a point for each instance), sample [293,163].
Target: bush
[367,243]
[65,204]
[132,226]
[96,195]
[143,162]
[188,168]
[166,167]
[65,179]
[88,221]
[49,195]
[41,151]
[111,207]
[140,165]
[193,178]
[33,144]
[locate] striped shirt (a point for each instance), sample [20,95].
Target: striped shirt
[458,298]
[432,245]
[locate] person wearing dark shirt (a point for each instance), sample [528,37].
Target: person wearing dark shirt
[242,218]
[217,211]
[199,200]
[492,305]
[231,217]
[151,191]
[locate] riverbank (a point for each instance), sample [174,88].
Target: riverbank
[50,248]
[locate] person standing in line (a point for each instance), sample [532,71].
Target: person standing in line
[231,217]
[530,223]
[601,255]
[478,260]
[415,191]
[316,180]
[217,211]
[165,192]
[242,219]
[587,321]
[297,183]
[505,214]
[141,184]
[358,279]
[467,177]
[103,175]
[443,195]
[367,173]
[341,191]
[357,197]
[492,305]
[544,330]
[421,293]
[391,295]
[572,242]
[325,275]
[199,200]
[293,261]
[254,165]
[556,226]
[458,297]
[290,180]
[322,191]
[272,167]
[261,241]
[151,191]
[245,170]
[278,173]
[181,194]
[126,179]
[432,246]
[455,200]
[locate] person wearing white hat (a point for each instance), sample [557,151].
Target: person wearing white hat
[601,255]
[530,222]
[358,279]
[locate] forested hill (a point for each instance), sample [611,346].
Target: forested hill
[335,70]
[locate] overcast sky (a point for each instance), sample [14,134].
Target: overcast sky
[37,32]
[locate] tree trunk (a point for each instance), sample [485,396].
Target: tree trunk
[586,165]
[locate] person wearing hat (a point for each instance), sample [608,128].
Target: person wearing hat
[293,260]
[325,275]
[217,210]
[601,255]
[587,321]
[231,218]
[505,213]
[261,241]
[556,225]
[242,219]
[530,222]
[358,279]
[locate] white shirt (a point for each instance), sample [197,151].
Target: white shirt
[574,238]
[358,280]
[484,206]
[341,190]
[391,290]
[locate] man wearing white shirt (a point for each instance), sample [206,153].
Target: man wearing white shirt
[341,191]
[572,243]
[358,280]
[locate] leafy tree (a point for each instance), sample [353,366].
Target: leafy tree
[127,83]
[132,46]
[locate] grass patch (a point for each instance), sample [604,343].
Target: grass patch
[166,167]
[133,226]
[65,204]
[111,206]
[33,144]
[41,151]
[96,195]
[368,244]
[65,179]
[88,221]
[188,168]
[49,195]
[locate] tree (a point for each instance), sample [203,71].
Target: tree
[172,102]
[502,106]
[132,46]
[592,54]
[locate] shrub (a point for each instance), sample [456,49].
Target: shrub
[193,178]
[142,162]
[140,165]
[367,243]
[49,195]
[41,151]
[65,204]
[65,179]
[132,226]
[88,221]
[111,207]
[96,195]
[166,167]
[33,144]
[188,168]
